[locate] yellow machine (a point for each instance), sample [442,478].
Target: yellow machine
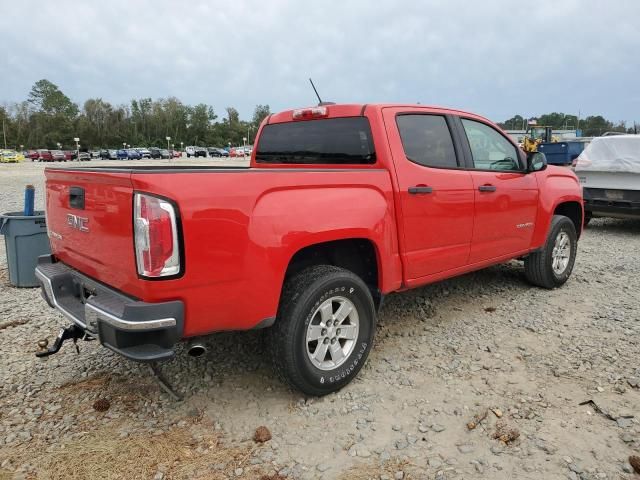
[535,136]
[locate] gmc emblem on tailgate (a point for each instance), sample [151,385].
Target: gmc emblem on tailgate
[79,223]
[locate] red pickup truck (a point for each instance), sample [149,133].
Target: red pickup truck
[341,205]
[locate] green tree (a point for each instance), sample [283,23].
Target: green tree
[514,123]
[232,115]
[5,124]
[260,113]
[200,118]
[558,120]
[53,115]
[595,125]
[46,97]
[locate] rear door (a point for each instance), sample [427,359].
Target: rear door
[506,197]
[89,220]
[435,192]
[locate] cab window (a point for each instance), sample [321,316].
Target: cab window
[426,140]
[490,150]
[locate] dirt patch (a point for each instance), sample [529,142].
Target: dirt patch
[94,381]
[177,453]
[13,323]
[116,390]
[366,472]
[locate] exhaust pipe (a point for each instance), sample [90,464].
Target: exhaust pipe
[196,349]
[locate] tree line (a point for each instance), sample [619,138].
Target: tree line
[48,117]
[591,126]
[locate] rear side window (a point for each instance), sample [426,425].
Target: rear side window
[324,141]
[426,140]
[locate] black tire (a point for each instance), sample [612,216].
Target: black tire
[538,266]
[587,218]
[301,298]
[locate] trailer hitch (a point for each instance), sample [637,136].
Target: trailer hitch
[72,332]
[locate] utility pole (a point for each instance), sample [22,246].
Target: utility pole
[578,121]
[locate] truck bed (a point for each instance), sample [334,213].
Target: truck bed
[236,223]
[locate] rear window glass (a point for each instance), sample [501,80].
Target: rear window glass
[333,140]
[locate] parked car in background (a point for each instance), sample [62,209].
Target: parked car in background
[84,156]
[144,152]
[133,154]
[44,156]
[237,152]
[95,153]
[164,153]
[32,155]
[70,154]
[154,152]
[609,172]
[176,154]
[122,154]
[196,152]
[11,156]
[201,152]
[58,156]
[108,154]
[217,152]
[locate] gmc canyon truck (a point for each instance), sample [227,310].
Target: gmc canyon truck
[341,205]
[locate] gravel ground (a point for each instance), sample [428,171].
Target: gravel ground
[485,343]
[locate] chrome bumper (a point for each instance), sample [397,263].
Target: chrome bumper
[138,330]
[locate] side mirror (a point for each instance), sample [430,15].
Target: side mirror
[536,161]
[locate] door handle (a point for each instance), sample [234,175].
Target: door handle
[487,188]
[417,190]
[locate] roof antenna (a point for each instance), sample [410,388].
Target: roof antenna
[320,102]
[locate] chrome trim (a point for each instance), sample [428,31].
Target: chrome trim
[123,324]
[48,288]
[102,314]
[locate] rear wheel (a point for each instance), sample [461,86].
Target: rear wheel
[552,266]
[324,330]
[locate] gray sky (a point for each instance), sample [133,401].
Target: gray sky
[496,58]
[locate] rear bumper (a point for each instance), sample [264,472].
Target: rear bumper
[145,332]
[612,202]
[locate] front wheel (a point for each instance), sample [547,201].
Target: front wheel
[552,266]
[324,329]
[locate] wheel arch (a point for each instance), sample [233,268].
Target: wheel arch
[358,255]
[572,210]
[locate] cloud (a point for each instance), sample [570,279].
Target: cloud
[493,57]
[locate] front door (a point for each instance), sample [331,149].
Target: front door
[506,197]
[434,191]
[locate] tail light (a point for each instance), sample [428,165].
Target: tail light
[309,113]
[156,237]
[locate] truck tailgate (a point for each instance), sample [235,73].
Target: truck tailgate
[89,217]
